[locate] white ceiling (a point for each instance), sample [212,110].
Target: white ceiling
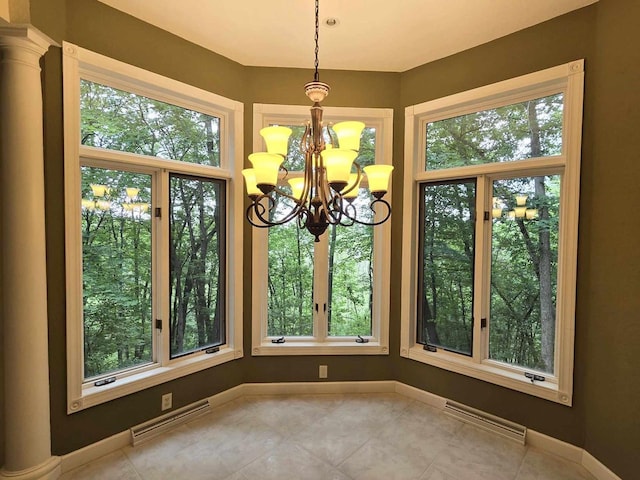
[379,35]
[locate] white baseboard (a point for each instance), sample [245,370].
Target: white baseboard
[302,388]
[535,439]
[226,396]
[597,469]
[420,395]
[553,445]
[95,450]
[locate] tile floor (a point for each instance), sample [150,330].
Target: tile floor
[328,437]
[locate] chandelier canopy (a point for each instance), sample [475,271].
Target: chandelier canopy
[326,192]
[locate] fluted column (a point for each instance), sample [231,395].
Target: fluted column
[23,284]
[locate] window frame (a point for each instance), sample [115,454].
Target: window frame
[569,80]
[79,63]
[322,344]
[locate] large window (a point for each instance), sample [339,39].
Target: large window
[151,206]
[327,296]
[490,233]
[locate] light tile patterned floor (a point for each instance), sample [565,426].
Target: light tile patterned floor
[328,437]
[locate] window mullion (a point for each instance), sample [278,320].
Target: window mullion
[480,267]
[321,288]
[160,254]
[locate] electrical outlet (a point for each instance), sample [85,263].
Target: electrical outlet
[324,372]
[167,400]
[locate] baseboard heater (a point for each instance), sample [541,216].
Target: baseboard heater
[486,421]
[158,425]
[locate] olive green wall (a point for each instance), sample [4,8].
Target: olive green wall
[558,41]
[604,418]
[609,294]
[94,26]
[348,89]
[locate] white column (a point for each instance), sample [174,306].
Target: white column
[23,284]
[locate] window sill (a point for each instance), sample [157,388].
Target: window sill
[489,373]
[319,348]
[149,376]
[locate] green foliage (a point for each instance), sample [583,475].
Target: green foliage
[196,256]
[524,250]
[116,248]
[118,120]
[290,281]
[498,135]
[350,280]
[117,235]
[349,263]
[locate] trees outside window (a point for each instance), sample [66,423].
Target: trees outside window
[495,194]
[321,296]
[150,207]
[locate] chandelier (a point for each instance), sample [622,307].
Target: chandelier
[326,194]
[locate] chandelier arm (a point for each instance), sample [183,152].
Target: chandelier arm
[348,207]
[331,207]
[259,209]
[371,206]
[332,136]
[305,144]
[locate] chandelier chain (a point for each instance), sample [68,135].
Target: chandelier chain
[316,76]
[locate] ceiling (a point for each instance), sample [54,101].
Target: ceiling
[378,35]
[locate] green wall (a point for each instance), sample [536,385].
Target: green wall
[609,294]
[605,415]
[552,43]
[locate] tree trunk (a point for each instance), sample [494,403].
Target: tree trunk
[547,310]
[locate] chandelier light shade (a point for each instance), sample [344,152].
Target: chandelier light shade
[327,191]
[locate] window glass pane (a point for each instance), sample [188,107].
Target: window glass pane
[116,270]
[197,263]
[524,270]
[445,303]
[522,130]
[351,273]
[119,120]
[290,277]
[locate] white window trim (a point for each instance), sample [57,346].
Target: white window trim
[568,79]
[382,120]
[80,63]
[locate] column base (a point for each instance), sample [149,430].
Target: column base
[48,470]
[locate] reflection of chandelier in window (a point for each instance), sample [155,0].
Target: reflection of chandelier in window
[325,194]
[519,211]
[100,202]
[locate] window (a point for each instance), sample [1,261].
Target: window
[153,220]
[490,231]
[317,298]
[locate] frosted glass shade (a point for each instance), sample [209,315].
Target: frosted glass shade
[132,192]
[337,162]
[349,134]
[353,178]
[297,187]
[520,211]
[531,213]
[99,190]
[496,212]
[277,139]
[521,200]
[265,167]
[249,175]
[378,176]
[103,204]
[88,204]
